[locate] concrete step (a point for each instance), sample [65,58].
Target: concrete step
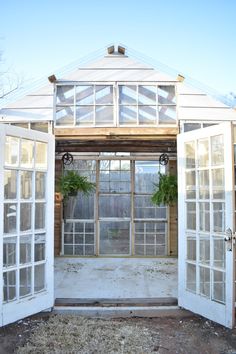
[115,308]
[122,312]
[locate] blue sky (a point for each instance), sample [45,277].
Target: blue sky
[197,37]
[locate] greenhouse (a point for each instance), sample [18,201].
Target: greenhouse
[121,123]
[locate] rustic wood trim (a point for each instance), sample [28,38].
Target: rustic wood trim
[58,210]
[159,301]
[113,131]
[156,145]
[173,218]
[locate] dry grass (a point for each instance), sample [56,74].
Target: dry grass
[73,334]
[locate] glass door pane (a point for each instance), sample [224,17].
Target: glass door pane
[206,260]
[114,237]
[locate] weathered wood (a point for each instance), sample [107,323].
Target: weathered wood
[57,211]
[162,301]
[126,131]
[113,145]
[173,218]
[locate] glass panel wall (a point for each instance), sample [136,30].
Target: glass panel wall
[147,105]
[115,105]
[85,105]
[205,217]
[24,235]
[119,217]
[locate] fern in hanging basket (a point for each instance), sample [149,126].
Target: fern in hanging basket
[167,190]
[72,183]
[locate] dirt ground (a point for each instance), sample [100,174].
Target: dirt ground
[63,334]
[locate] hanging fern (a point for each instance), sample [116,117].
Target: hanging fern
[72,182]
[167,190]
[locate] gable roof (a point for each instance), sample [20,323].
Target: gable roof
[193,104]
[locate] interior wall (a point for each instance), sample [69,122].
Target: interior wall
[173,221]
[58,210]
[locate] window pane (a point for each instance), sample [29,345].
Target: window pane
[218,182]
[9,286]
[205,281]
[10,183]
[84,115]
[203,153]
[39,277]
[65,115]
[79,250]
[128,115]
[218,286]
[114,206]
[10,218]
[9,251]
[114,237]
[80,207]
[147,115]
[25,281]
[41,155]
[167,115]
[152,238]
[40,215]
[145,209]
[65,94]
[104,94]
[26,184]
[11,151]
[115,176]
[191,126]
[21,125]
[204,250]
[84,95]
[68,250]
[40,179]
[39,247]
[217,150]
[147,95]
[218,217]
[104,115]
[204,217]
[191,248]
[203,180]
[190,185]
[219,246]
[191,215]
[166,95]
[128,94]
[25,249]
[191,277]
[25,216]
[27,153]
[146,174]
[190,154]
[89,250]
[68,239]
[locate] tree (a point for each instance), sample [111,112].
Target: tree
[10,80]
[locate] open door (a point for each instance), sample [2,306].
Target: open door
[206,223]
[26,222]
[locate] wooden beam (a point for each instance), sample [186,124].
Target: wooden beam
[114,145]
[113,131]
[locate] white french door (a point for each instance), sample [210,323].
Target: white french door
[26,222]
[206,223]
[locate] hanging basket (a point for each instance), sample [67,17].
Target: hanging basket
[167,190]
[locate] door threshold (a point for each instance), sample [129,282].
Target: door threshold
[119,302]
